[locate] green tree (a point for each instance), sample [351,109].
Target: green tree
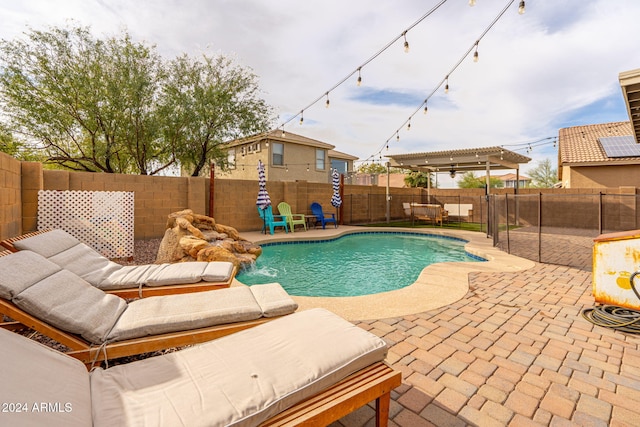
[543,175]
[418,179]
[372,168]
[206,103]
[470,180]
[116,106]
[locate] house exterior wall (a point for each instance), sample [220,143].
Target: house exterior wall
[601,176]
[297,159]
[10,197]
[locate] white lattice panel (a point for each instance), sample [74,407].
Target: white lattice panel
[101,219]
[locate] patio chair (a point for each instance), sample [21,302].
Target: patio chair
[316,209]
[292,219]
[427,212]
[132,281]
[95,325]
[271,221]
[309,368]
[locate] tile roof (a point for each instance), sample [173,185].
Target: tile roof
[579,144]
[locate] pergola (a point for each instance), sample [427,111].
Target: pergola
[464,160]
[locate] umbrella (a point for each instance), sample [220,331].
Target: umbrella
[264,200]
[336,201]
[263,196]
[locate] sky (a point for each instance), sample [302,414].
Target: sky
[554,66]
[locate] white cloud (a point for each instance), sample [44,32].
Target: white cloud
[537,72]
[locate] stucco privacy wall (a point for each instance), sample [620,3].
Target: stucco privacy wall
[234,200]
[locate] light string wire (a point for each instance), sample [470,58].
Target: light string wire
[325,94]
[396,133]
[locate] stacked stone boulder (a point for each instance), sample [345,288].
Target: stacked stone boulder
[194,237]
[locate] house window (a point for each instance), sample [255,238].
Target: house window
[320,159]
[277,154]
[231,158]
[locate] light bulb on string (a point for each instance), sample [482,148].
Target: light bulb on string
[307,167]
[446,86]
[326,104]
[521,7]
[475,54]
[409,124]
[397,136]
[359,81]
[301,117]
[472,3]
[283,132]
[425,108]
[406,43]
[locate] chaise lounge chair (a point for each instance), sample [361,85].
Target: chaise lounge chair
[95,325]
[308,368]
[132,281]
[292,219]
[316,209]
[272,221]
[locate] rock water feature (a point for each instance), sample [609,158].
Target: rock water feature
[194,237]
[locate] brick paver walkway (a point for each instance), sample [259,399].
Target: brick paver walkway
[515,351]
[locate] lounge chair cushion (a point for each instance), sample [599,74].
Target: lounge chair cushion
[239,380]
[169,313]
[33,374]
[64,300]
[273,300]
[20,272]
[68,252]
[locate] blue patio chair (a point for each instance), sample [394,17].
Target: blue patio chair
[272,221]
[316,210]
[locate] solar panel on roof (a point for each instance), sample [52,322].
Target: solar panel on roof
[620,146]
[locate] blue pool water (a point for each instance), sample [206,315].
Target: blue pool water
[355,264]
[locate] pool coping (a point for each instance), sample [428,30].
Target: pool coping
[437,285]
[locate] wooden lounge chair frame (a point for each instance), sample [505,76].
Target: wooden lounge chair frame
[89,353]
[374,382]
[143,291]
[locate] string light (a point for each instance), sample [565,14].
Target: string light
[472,3]
[283,133]
[406,43]
[397,136]
[307,167]
[359,82]
[409,124]
[326,104]
[301,116]
[521,7]
[475,54]
[445,81]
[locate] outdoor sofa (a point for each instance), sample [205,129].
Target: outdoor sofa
[131,281]
[41,295]
[310,368]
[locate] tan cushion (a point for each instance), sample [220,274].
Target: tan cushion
[241,379]
[33,374]
[48,244]
[170,313]
[86,263]
[273,299]
[69,253]
[21,270]
[69,303]
[189,272]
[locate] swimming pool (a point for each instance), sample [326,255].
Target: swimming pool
[354,264]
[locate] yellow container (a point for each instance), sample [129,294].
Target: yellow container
[616,256]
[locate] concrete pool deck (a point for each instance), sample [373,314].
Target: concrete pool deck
[438,285]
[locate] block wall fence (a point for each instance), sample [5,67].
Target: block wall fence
[234,200]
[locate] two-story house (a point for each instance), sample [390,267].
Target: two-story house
[286,157]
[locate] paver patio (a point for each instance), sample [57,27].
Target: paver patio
[515,351]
